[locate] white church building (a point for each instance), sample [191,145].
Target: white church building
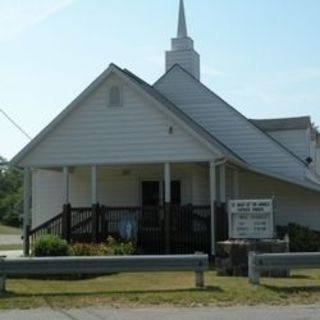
[164,158]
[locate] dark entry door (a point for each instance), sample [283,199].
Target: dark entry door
[150,193]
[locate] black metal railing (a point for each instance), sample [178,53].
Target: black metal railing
[188,229]
[52,226]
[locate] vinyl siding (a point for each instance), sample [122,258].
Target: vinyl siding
[137,132]
[120,186]
[116,186]
[293,204]
[227,125]
[47,195]
[201,186]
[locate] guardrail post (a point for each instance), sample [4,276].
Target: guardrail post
[2,277]
[66,222]
[253,272]
[199,275]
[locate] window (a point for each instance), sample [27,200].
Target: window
[115,97]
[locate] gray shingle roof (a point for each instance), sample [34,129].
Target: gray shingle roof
[178,112]
[282,123]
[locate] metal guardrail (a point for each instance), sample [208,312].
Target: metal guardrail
[103,265]
[275,261]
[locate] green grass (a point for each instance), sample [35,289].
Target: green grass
[161,289]
[9,230]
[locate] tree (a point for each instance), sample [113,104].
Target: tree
[11,194]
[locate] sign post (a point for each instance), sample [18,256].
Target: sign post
[251,219]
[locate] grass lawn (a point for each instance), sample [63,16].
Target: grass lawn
[176,289]
[9,230]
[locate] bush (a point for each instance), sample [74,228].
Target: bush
[118,248]
[111,247]
[302,239]
[53,246]
[50,246]
[85,249]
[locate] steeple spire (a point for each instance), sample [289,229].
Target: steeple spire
[182,26]
[182,50]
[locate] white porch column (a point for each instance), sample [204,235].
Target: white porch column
[26,209]
[167,183]
[66,185]
[236,191]
[212,177]
[94,198]
[222,183]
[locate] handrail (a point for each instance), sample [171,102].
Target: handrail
[46,224]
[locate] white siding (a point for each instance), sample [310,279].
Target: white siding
[116,186]
[201,187]
[295,140]
[227,125]
[47,195]
[188,59]
[137,132]
[120,186]
[293,204]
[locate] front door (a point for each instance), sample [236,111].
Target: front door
[150,193]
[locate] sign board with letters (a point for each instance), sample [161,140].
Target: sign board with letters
[251,219]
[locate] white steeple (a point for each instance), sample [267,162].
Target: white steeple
[182,26]
[182,51]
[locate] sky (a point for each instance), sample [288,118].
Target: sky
[262,56]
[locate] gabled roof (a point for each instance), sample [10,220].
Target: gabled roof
[183,116]
[268,136]
[147,89]
[283,123]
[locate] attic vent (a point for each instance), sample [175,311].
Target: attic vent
[115,98]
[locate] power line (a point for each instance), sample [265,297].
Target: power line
[15,124]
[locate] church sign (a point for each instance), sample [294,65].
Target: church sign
[251,219]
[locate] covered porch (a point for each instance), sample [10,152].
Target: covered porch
[163,207]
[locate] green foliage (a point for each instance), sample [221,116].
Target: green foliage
[86,249]
[112,247]
[50,246]
[118,248]
[11,203]
[302,239]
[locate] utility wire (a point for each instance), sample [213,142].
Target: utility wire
[15,124]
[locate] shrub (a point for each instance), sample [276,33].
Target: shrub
[302,239]
[50,246]
[86,249]
[111,247]
[118,248]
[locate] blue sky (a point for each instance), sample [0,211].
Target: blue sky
[262,56]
